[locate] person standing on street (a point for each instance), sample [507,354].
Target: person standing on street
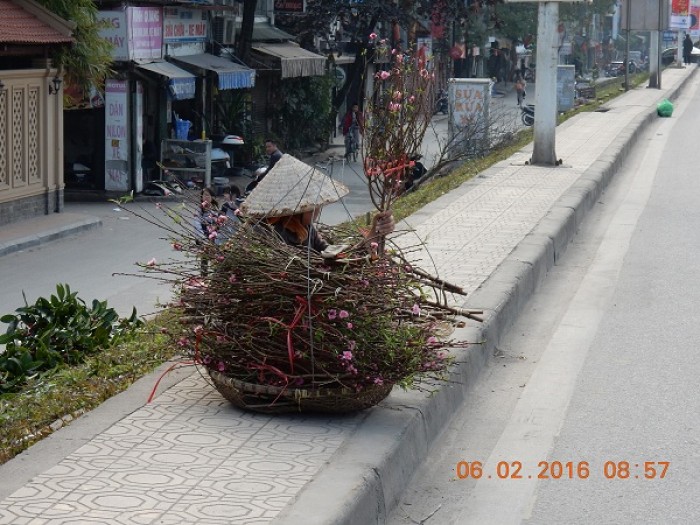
[520,89]
[687,49]
[353,127]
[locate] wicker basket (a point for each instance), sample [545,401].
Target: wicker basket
[278,400]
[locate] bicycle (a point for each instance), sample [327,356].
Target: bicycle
[352,143]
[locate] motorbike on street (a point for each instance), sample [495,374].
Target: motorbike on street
[441,103]
[416,173]
[527,114]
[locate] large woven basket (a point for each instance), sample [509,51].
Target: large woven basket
[278,400]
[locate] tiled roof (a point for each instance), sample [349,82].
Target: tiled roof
[19,26]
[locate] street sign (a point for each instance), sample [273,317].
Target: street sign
[340,76]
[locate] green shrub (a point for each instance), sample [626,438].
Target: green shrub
[61,330]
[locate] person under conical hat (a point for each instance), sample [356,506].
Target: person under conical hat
[290,198]
[292,187]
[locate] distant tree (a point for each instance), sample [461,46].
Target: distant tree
[360,19]
[87,62]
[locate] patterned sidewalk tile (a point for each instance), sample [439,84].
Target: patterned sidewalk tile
[188,457]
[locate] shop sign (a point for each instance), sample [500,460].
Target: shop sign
[116,135]
[114,31]
[184,25]
[680,14]
[145,32]
[135,33]
[469,102]
[289,6]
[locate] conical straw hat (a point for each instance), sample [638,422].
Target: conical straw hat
[292,187]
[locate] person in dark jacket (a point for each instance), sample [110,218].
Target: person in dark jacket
[687,49]
[273,151]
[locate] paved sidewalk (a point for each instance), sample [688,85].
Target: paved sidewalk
[189,457]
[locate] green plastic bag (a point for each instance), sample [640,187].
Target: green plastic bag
[664,108]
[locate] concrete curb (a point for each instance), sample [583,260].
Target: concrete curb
[365,479]
[49,234]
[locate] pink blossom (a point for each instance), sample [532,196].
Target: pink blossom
[347,355]
[352,369]
[343,314]
[332,314]
[177,246]
[415,310]
[183,341]
[442,355]
[411,99]
[398,95]
[424,73]
[378,381]
[372,36]
[213,235]
[393,106]
[232,278]
[220,258]
[221,366]
[152,262]
[349,325]
[374,246]
[195,282]
[206,360]
[221,219]
[394,51]
[384,75]
[432,340]
[198,329]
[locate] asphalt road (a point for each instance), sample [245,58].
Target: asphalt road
[595,387]
[89,261]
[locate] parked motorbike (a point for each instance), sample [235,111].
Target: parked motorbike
[258,175]
[441,103]
[527,114]
[416,173]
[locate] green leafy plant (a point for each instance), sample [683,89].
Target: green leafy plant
[60,330]
[305,112]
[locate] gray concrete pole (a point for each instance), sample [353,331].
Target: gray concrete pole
[544,153]
[654,70]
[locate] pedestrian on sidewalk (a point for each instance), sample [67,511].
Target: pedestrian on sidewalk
[520,85]
[353,127]
[687,49]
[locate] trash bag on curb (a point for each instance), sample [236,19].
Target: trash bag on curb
[664,108]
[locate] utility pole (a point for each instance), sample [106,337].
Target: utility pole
[544,152]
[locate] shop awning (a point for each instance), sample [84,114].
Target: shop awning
[294,61]
[181,83]
[230,75]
